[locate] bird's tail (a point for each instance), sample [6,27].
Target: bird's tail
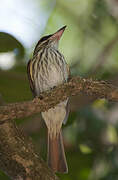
[56,155]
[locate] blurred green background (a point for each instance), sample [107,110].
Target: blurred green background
[90,47]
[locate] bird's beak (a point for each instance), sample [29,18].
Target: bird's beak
[57,35]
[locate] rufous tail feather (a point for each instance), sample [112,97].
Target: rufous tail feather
[56,155]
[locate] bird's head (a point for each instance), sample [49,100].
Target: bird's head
[49,40]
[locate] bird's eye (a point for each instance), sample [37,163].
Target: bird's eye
[44,38]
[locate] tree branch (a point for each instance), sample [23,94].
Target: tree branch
[75,86]
[18,157]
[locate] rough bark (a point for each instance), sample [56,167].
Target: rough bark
[18,157]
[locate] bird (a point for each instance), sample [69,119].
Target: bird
[47,69]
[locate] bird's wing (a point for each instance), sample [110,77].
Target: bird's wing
[30,77]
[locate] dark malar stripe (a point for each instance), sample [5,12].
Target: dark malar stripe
[39,61]
[40,56]
[36,62]
[42,61]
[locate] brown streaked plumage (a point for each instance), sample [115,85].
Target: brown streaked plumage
[46,70]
